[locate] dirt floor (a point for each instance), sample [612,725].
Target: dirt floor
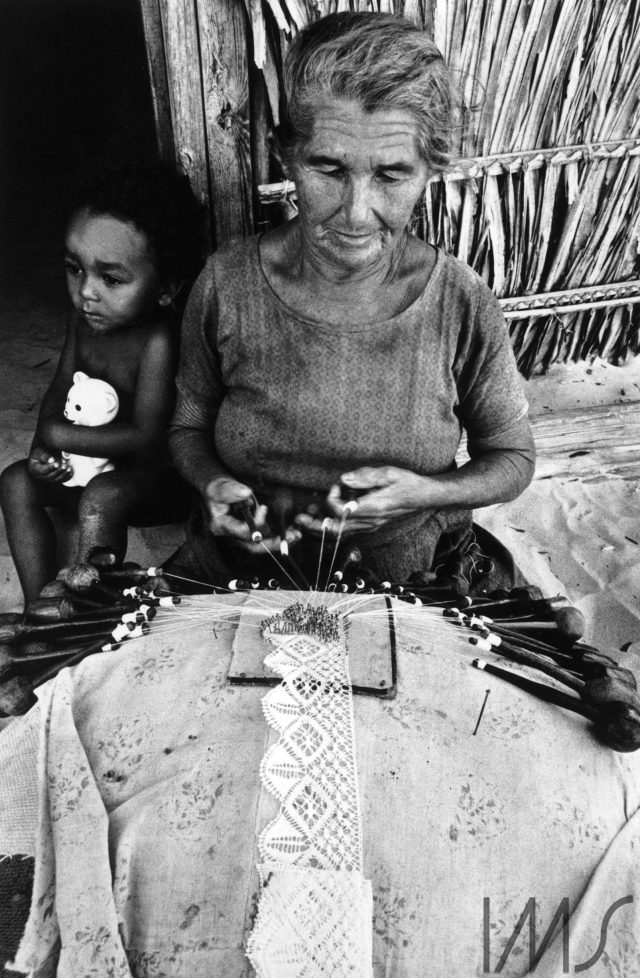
[578,538]
[581,538]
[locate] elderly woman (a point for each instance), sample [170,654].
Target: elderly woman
[339,355]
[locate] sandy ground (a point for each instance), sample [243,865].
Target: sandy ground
[580,539]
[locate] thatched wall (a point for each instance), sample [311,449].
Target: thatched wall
[544,201]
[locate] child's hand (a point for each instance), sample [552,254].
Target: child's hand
[47,468]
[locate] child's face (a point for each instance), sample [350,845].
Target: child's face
[111,277]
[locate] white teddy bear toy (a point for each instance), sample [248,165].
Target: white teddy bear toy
[90,402]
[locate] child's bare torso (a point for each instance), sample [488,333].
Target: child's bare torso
[115,356]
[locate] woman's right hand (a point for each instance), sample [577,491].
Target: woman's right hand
[222,495]
[46,467]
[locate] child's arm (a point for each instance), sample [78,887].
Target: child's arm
[45,462]
[144,434]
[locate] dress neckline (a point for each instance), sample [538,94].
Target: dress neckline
[347,327]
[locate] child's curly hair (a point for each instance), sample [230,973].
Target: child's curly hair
[157,200]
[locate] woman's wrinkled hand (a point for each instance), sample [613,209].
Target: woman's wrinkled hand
[224,498]
[46,467]
[382,494]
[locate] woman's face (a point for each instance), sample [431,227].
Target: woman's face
[357,178]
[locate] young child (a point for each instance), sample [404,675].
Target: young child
[132,245]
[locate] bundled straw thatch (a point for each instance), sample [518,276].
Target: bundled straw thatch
[545,196]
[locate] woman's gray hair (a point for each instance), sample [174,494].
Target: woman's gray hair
[377,60]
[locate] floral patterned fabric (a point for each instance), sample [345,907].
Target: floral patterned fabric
[150,805]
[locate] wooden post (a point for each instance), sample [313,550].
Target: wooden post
[198,66]
[157,67]
[259,122]
[184,75]
[225,92]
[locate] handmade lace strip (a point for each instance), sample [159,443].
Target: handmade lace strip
[315,908]
[313,923]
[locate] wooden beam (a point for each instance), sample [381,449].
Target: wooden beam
[225,85]
[259,121]
[157,68]
[182,53]
[587,443]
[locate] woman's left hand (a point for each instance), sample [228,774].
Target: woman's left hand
[388,493]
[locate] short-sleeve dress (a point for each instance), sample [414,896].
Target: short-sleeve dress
[292,401]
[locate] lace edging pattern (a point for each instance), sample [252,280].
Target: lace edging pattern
[315,911]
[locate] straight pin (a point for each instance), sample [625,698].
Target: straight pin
[484,703]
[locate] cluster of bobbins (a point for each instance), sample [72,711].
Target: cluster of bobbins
[92,607]
[98,606]
[545,637]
